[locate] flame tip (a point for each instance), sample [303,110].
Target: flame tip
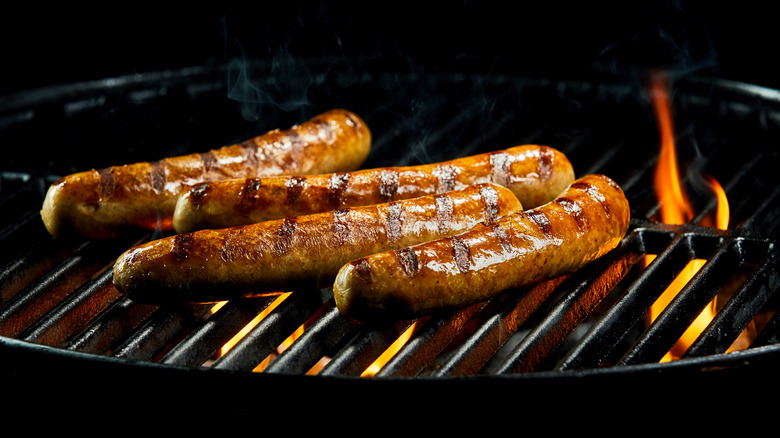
[675,208]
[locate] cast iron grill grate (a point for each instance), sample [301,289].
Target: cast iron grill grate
[58,293]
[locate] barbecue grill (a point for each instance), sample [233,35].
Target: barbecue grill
[70,343]
[66,329]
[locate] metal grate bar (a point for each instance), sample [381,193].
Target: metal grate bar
[593,347]
[477,350]
[363,348]
[771,332]
[70,315]
[271,331]
[158,331]
[43,295]
[35,261]
[317,341]
[617,321]
[111,327]
[210,335]
[764,220]
[582,292]
[740,309]
[422,350]
[686,305]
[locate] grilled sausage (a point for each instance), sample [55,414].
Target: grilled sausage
[586,221]
[536,174]
[103,203]
[284,254]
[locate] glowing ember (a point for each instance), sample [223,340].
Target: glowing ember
[675,208]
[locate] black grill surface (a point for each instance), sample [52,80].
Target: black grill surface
[61,320]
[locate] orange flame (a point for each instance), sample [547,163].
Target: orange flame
[396,346]
[675,208]
[251,324]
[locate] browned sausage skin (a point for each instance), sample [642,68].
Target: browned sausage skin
[281,255]
[103,203]
[582,224]
[536,174]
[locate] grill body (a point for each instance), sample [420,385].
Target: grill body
[63,325]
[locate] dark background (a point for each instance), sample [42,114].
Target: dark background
[55,44]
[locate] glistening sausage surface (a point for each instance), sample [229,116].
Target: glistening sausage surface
[536,174]
[103,203]
[586,221]
[284,254]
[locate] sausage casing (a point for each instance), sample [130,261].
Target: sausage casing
[284,254]
[536,174]
[103,203]
[586,221]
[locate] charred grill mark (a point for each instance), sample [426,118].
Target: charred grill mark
[446,175]
[541,221]
[249,153]
[394,221]
[341,224]
[294,186]
[198,193]
[295,143]
[324,130]
[582,185]
[388,183]
[107,183]
[182,246]
[490,199]
[352,122]
[461,253]
[499,167]
[209,161]
[284,235]
[248,194]
[294,137]
[574,210]
[338,184]
[545,164]
[157,177]
[408,261]
[362,269]
[595,194]
[444,212]
[501,235]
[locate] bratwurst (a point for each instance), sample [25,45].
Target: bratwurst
[286,254]
[582,224]
[103,203]
[536,174]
